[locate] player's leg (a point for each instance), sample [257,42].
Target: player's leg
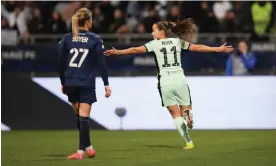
[87,97]
[168,98]
[83,125]
[84,134]
[180,123]
[75,106]
[73,98]
[183,97]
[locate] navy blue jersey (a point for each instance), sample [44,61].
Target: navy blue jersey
[79,59]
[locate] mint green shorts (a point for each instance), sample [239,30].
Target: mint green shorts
[175,95]
[174,90]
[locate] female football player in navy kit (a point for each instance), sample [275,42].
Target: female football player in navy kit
[81,53]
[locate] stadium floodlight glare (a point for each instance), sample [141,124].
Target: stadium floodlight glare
[120,112]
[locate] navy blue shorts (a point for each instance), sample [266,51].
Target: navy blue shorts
[78,94]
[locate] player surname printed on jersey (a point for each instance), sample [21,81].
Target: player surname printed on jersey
[81,39]
[167,42]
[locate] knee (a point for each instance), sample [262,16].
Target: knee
[76,107]
[84,110]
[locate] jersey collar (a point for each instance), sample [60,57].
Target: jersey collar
[82,31]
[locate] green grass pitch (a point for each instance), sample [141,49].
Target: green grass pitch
[142,148]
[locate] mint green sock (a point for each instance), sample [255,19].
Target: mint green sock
[182,128]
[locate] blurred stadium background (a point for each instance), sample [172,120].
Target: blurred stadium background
[31,97]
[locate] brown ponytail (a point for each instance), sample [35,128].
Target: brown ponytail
[185,29]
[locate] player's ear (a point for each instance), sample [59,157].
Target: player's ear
[88,23]
[163,32]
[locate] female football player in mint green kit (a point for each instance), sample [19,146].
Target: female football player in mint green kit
[172,84]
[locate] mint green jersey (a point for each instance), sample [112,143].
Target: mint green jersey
[167,53]
[168,60]
[172,84]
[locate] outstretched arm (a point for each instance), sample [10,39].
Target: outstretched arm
[204,48]
[133,50]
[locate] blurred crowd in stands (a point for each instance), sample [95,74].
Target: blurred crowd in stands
[48,17]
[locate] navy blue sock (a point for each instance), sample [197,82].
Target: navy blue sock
[78,121]
[84,132]
[81,142]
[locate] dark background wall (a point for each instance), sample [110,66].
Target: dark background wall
[26,105]
[44,58]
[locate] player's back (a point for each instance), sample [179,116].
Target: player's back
[80,57]
[168,59]
[168,55]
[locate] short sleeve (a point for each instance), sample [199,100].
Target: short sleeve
[149,46]
[184,44]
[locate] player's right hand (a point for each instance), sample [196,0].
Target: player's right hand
[113,51]
[107,91]
[225,49]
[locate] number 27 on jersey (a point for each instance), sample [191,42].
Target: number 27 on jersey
[78,52]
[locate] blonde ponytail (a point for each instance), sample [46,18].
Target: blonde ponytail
[75,26]
[78,20]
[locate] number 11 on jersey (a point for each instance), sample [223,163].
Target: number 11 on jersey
[166,64]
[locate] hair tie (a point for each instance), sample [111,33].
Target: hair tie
[171,25]
[166,24]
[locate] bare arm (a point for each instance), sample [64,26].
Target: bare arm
[133,50]
[204,48]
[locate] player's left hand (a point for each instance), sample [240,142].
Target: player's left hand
[107,91]
[113,51]
[226,49]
